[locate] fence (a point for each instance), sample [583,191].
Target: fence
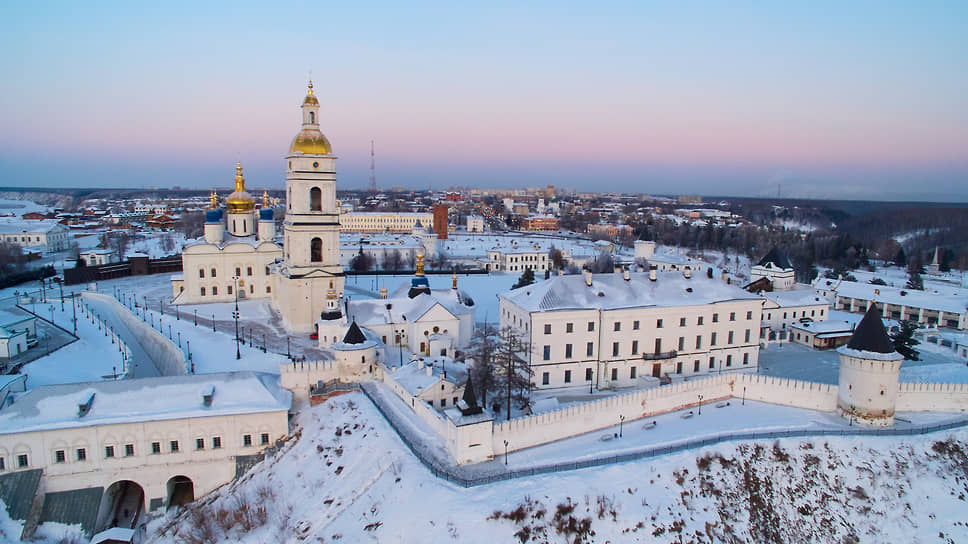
[455,474]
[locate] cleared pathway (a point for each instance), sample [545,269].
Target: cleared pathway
[140,364]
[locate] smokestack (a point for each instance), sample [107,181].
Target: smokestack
[588,277]
[652,273]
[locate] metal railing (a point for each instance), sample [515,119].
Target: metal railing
[456,475]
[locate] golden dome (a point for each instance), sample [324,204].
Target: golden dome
[240,201]
[311,142]
[310,97]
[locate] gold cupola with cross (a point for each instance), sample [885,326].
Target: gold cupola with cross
[310,140]
[240,201]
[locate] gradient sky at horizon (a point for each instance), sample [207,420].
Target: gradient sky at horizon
[862,99]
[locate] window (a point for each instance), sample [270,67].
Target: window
[699,342]
[695,365]
[569,327]
[682,322]
[229,289]
[213,272]
[729,360]
[202,291]
[588,374]
[173,445]
[109,451]
[746,336]
[129,450]
[746,358]
[247,440]
[547,329]
[316,250]
[238,272]
[635,347]
[216,442]
[618,326]
[712,339]
[794,315]
[682,343]
[715,318]
[729,338]
[81,454]
[3,464]
[614,374]
[591,326]
[749,315]
[264,437]
[679,367]
[712,363]
[614,349]
[545,378]
[547,353]
[589,349]
[214,290]
[156,448]
[267,270]
[22,460]
[821,313]
[635,325]
[632,372]
[443,403]
[784,315]
[248,271]
[658,323]
[699,320]
[315,200]
[732,316]
[201,272]
[59,456]
[567,376]
[567,351]
[268,289]
[658,345]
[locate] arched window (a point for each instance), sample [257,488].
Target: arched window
[312,117]
[315,199]
[316,250]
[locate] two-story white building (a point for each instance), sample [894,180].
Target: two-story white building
[607,330]
[47,234]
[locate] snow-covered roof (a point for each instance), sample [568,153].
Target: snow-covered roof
[374,311]
[114,533]
[825,327]
[146,399]
[795,297]
[955,302]
[28,226]
[12,317]
[612,291]
[416,380]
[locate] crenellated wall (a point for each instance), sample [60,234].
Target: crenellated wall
[298,377]
[932,397]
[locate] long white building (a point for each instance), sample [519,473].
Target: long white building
[47,234]
[383,221]
[609,330]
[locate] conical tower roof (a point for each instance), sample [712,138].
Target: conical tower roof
[776,257]
[470,406]
[870,334]
[354,335]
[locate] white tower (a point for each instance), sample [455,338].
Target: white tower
[869,367]
[311,229]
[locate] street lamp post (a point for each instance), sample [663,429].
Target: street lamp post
[288,351]
[700,404]
[213,315]
[179,338]
[235,316]
[621,421]
[264,343]
[744,396]
[196,317]
[74,310]
[61,286]
[505,452]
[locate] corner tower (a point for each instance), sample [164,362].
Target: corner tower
[311,264]
[869,368]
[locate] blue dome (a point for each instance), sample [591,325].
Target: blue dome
[265,214]
[213,216]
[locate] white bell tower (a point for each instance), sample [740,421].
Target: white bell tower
[311,229]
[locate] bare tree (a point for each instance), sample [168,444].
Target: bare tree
[117,241]
[482,353]
[192,224]
[392,260]
[514,367]
[12,258]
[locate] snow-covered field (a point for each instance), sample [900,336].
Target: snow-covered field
[319,488]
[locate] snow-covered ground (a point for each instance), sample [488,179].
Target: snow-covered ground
[320,488]
[9,206]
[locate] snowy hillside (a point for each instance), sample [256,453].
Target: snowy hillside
[345,477]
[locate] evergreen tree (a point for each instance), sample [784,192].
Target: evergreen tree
[914,275]
[527,278]
[900,259]
[482,351]
[904,341]
[513,368]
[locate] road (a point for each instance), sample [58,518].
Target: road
[140,364]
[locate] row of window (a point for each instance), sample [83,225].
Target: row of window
[80,454]
[202,290]
[616,346]
[813,313]
[659,323]
[633,371]
[238,271]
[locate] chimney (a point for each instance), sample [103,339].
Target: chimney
[687,273]
[652,273]
[626,274]
[429,369]
[588,277]
[420,364]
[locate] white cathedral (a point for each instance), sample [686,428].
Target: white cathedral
[241,257]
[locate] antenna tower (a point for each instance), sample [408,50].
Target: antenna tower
[373,187]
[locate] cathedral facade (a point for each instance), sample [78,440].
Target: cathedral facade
[240,255]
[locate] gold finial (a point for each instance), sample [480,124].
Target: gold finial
[239,179]
[265,198]
[213,200]
[454,286]
[420,264]
[383,291]
[310,92]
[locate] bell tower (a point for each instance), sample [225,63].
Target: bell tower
[311,229]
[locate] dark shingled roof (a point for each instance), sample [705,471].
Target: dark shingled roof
[776,257]
[17,490]
[78,506]
[354,335]
[870,334]
[470,400]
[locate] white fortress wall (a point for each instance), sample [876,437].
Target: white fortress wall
[298,377]
[932,397]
